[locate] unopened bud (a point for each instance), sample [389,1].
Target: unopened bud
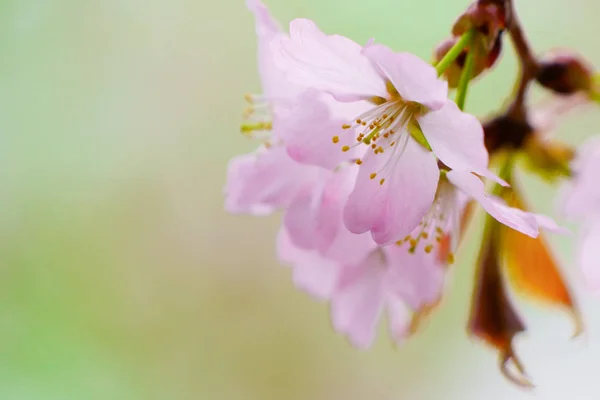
[565,73]
[488,19]
[484,59]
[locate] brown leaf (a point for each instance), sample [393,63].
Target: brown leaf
[533,271]
[493,318]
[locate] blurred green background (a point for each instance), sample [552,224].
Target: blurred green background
[121,277]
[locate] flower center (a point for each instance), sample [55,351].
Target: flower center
[384,128]
[439,229]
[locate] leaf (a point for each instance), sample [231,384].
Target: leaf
[533,271]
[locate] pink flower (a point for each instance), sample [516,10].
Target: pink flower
[389,279]
[267,179]
[361,279]
[361,286]
[401,112]
[581,201]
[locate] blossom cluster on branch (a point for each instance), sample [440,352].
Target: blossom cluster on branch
[377,170]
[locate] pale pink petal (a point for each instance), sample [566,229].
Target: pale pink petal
[333,64]
[392,210]
[349,247]
[358,300]
[308,133]
[582,196]
[300,223]
[589,254]
[314,219]
[547,223]
[274,81]
[239,173]
[265,180]
[519,220]
[399,319]
[414,79]
[417,278]
[456,138]
[312,272]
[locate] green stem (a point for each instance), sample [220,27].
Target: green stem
[454,52]
[465,78]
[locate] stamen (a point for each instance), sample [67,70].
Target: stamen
[345,148]
[335,139]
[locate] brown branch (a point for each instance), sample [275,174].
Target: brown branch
[527,60]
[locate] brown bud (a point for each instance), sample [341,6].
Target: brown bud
[488,19]
[493,318]
[505,132]
[565,73]
[484,59]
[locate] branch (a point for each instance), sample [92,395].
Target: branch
[529,63]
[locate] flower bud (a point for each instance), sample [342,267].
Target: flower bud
[488,19]
[564,73]
[484,59]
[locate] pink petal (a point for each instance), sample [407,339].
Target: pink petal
[239,173]
[348,247]
[519,220]
[332,63]
[392,210]
[547,223]
[589,254]
[416,278]
[414,79]
[582,197]
[314,219]
[358,300]
[300,223]
[456,138]
[265,180]
[308,133]
[274,81]
[312,273]
[399,319]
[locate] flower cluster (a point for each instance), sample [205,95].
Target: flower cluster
[376,171]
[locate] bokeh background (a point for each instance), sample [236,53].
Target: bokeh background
[121,276]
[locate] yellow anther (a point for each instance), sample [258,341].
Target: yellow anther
[399,242]
[335,139]
[346,126]
[363,123]
[392,144]
[439,230]
[373,146]
[428,248]
[450,258]
[373,175]
[358,162]
[345,148]
[381,181]
[358,121]
[407,238]
[424,235]
[380,149]
[413,242]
